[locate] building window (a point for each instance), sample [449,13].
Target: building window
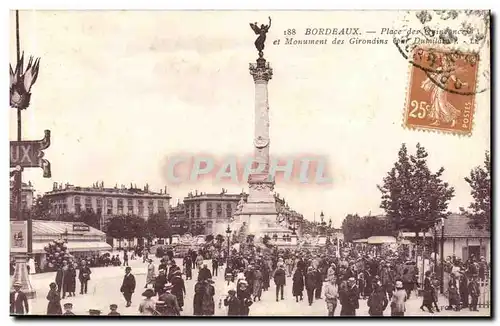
[99,203]
[130,204]
[78,207]
[120,206]
[150,207]
[140,205]
[161,206]
[229,210]
[219,210]
[198,210]
[109,206]
[88,203]
[209,210]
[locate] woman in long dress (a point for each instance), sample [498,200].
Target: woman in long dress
[147,307]
[151,274]
[257,285]
[54,305]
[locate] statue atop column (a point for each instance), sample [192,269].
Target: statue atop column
[261,39]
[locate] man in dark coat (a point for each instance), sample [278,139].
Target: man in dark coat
[173,268]
[128,286]
[18,301]
[160,282]
[377,302]
[232,303]
[84,277]
[310,284]
[319,283]
[188,266]
[170,305]
[178,288]
[349,298]
[204,273]
[280,280]
[474,292]
[215,266]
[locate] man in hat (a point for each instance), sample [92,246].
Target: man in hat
[68,307]
[113,307]
[128,286]
[94,312]
[280,280]
[474,292]
[169,303]
[204,273]
[84,277]
[18,300]
[349,298]
[232,303]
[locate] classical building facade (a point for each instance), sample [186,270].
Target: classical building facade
[27,192]
[108,201]
[214,211]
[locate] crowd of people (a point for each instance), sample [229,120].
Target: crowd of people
[340,278]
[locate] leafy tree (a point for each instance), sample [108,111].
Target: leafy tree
[158,226]
[351,227]
[41,208]
[116,227]
[219,238]
[91,218]
[209,238]
[135,227]
[480,183]
[412,196]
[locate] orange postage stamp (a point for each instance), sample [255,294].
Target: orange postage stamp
[441,93]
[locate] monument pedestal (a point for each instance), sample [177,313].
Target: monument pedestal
[21,275]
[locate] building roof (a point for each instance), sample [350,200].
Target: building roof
[58,228]
[456,226]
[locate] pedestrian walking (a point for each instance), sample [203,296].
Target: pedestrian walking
[298,285]
[147,307]
[18,300]
[54,306]
[349,298]
[280,281]
[398,301]
[84,277]
[128,286]
[170,305]
[377,302]
[331,295]
[150,274]
[310,284]
[215,266]
[178,288]
[474,292]
[232,303]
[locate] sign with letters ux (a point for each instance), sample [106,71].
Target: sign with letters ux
[29,154]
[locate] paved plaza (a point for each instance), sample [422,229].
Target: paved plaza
[104,289]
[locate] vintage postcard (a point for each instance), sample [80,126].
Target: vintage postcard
[250,163]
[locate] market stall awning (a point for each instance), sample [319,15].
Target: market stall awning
[360,241]
[381,240]
[88,246]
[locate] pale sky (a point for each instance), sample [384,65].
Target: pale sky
[121,91]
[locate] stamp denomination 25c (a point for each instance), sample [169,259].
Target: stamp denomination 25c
[441,92]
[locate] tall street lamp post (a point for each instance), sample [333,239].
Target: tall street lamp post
[228,232]
[442,256]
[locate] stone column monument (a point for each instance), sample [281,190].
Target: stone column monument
[259,212]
